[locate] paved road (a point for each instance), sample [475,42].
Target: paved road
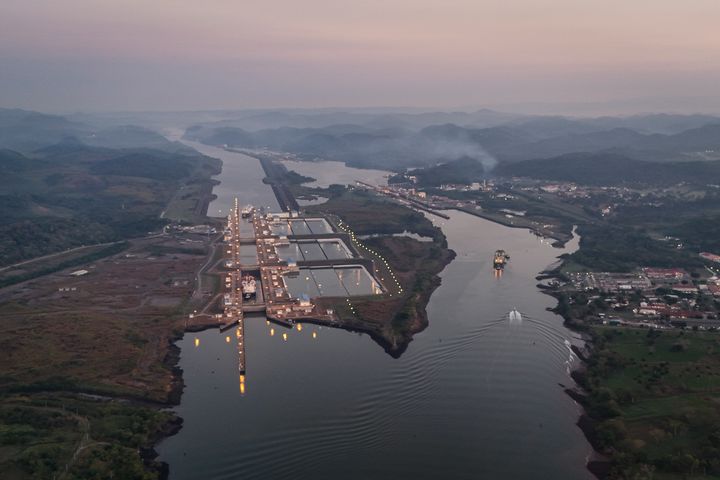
[197,294]
[64,252]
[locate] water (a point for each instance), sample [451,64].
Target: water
[297,226]
[309,250]
[326,173]
[241,177]
[474,396]
[331,282]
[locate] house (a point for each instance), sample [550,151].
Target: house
[685,289]
[665,274]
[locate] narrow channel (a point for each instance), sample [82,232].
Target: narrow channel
[475,395]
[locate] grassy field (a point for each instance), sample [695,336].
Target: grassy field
[43,266]
[368,213]
[63,198]
[86,362]
[190,202]
[655,396]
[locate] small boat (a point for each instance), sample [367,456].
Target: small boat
[500,259]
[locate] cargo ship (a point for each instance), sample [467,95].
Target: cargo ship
[248,286]
[500,259]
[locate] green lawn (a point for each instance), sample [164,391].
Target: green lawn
[656,397]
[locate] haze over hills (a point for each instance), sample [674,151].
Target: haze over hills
[613,169]
[65,183]
[394,140]
[359,235]
[27,131]
[395,143]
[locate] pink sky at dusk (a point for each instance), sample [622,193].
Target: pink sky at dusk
[178,54]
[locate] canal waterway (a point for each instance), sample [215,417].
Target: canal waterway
[327,172]
[241,177]
[475,395]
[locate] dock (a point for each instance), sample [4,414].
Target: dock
[411,202]
[233,299]
[248,227]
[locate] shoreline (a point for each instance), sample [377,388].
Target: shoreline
[598,463]
[560,239]
[419,323]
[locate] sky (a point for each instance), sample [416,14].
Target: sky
[137,55]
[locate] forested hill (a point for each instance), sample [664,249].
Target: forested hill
[655,138]
[612,169]
[27,131]
[70,194]
[463,171]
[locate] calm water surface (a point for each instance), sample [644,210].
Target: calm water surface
[326,173]
[474,396]
[241,177]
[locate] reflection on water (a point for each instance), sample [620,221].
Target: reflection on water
[311,251]
[299,226]
[353,280]
[335,249]
[240,177]
[308,250]
[472,397]
[318,225]
[327,173]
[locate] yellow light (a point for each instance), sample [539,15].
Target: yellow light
[314,334]
[299,327]
[197,342]
[272,332]
[285,337]
[227,339]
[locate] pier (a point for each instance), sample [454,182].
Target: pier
[267,272]
[270,297]
[411,202]
[233,299]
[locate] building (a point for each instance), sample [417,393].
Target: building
[685,289]
[671,275]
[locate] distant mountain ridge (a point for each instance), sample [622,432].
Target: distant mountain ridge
[540,137]
[690,144]
[27,131]
[612,169]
